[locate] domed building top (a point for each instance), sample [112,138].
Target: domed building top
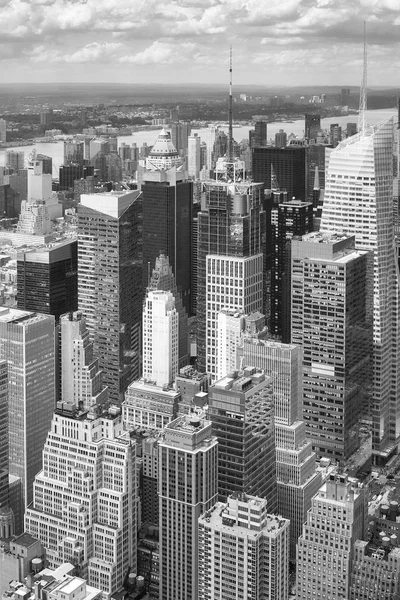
[163,154]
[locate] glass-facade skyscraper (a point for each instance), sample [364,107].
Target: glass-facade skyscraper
[110,283]
[359,201]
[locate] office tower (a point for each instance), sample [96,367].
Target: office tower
[243,551]
[220,146]
[167,214]
[98,146]
[3,130]
[46,162]
[335,134]
[83,186]
[27,344]
[366,161]
[162,278]
[260,134]
[6,514]
[15,160]
[242,414]
[180,133]
[47,279]
[325,549]
[193,156]
[69,173]
[289,165]
[160,338]
[187,488]
[46,118]
[230,327]
[81,377]
[10,203]
[281,139]
[294,218]
[351,129]
[74,152]
[376,569]
[312,127]
[230,259]
[150,452]
[148,407]
[84,502]
[110,283]
[19,184]
[331,321]
[297,479]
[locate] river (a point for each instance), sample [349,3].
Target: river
[56,150]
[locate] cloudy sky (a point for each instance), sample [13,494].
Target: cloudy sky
[274,42]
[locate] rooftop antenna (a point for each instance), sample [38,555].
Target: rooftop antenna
[363,90]
[230,134]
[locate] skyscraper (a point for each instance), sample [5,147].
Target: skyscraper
[187,488]
[260,134]
[3,130]
[84,503]
[358,200]
[281,139]
[162,278]
[6,514]
[241,410]
[331,321]
[180,132]
[110,283]
[81,377]
[243,551]
[15,160]
[194,156]
[47,279]
[312,127]
[160,338]
[27,344]
[230,259]
[167,214]
[289,165]
[335,521]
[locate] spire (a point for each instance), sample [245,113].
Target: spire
[363,90]
[230,134]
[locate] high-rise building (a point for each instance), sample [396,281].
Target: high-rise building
[46,162]
[335,134]
[331,321]
[162,278]
[74,152]
[6,514]
[110,283]
[376,569]
[281,139]
[297,479]
[335,521]
[243,551]
[160,338]
[312,127]
[3,130]
[71,172]
[289,165]
[167,214]
[242,414]
[81,377]
[194,156]
[47,279]
[260,134]
[180,132]
[230,327]
[188,461]
[84,502]
[15,160]
[289,218]
[27,344]
[230,259]
[364,164]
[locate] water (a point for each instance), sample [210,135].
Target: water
[56,150]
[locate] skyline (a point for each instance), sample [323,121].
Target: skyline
[305,42]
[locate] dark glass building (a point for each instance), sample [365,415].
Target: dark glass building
[167,215]
[47,279]
[241,409]
[312,126]
[110,283]
[70,173]
[289,165]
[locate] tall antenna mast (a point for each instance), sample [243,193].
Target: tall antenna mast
[363,90]
[230,133]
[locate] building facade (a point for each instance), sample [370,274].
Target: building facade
[110,283]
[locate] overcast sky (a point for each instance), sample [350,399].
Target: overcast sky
[274,42]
